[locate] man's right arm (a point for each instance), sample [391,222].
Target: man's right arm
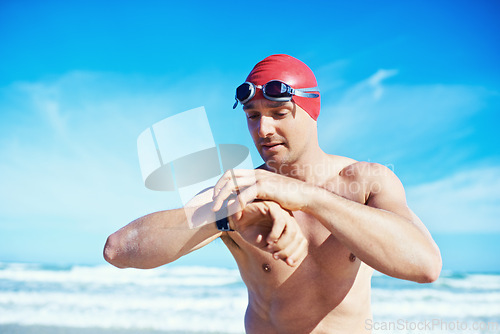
[162,237]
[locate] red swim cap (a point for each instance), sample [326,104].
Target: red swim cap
[291,71]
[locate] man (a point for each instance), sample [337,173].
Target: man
[309,227]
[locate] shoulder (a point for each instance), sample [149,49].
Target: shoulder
[365,170]
[376,179]
[353,169]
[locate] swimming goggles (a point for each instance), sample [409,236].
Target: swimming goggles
[274,90]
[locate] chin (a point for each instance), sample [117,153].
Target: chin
[274,162]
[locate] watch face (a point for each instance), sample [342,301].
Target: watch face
[223,224]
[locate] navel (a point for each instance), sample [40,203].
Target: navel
[266,267]
[352,257]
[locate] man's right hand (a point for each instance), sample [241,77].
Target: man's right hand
[266,225]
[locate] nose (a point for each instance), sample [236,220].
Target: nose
[266,127]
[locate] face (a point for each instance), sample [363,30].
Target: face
[281,131]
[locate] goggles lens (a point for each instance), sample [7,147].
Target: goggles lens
[276,89]
[243,92]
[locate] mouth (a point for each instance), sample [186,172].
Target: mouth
[271,146]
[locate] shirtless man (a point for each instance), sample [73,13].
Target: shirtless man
[310,227]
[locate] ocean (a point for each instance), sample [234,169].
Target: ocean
[43,299]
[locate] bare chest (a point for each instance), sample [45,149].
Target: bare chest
[328,261]
[322,286]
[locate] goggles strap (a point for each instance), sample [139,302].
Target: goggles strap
[302,92]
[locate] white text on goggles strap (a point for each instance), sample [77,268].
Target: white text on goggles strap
[284,88]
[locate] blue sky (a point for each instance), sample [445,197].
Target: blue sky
[414,86]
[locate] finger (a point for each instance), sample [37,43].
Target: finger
[298,255]
[246,196]
[290,240]
[287,238]
[290,229]
[281,216]
[290,249]
[234,184]
[224,193]
[226,177]
[237,176]
[279,226]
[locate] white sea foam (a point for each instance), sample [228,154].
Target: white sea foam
[200,299]
[169,298]
[124,311]
[451,297]
[475,281]
[110,275]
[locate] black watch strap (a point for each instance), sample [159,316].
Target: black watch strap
[223,225]
[222,220]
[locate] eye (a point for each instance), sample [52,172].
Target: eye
[253,116]
[281,113]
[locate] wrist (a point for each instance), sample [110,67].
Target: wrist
[313,195]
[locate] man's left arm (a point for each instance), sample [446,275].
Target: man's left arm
[383,233]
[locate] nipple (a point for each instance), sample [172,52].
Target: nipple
[352,257]
[266,267]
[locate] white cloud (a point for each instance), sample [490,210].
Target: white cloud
[372,119]
[375,81]
[46,102]
[467,201]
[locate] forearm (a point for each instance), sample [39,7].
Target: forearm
[162,237]
[387,242]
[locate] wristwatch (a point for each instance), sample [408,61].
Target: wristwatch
[222,221]
[223,225]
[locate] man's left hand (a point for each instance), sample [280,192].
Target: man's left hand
[248,185]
